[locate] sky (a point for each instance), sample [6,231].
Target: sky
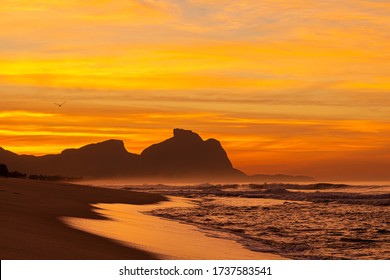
[298,87]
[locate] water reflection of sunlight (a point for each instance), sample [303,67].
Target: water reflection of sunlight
[169,239]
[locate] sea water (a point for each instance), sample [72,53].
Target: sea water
[319,221]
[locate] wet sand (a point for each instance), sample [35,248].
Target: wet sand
[166,238]
[32,217]
[31,228]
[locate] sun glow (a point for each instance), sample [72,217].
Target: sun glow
[288,87]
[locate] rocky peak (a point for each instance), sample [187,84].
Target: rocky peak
[111,146]
[182,134]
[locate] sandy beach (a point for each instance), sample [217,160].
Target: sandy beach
[46,220]
[31,229]
[129,225]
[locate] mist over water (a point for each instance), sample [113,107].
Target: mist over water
[172,182]
[361,183]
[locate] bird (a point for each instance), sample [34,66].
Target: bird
[60,105]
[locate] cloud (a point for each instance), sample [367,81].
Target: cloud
[288,86]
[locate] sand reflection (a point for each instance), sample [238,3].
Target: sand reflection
[169,239]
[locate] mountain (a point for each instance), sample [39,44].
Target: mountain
[184,156]
[105,159]
[187,154]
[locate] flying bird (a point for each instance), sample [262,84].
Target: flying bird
[60,105]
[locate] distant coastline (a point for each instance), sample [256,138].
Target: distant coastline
[183,157]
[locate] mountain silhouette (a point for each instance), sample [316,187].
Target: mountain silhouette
[186,153]
[105,159]
[184,156]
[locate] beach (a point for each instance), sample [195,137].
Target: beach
[31,229]
[168,239]
[50,220]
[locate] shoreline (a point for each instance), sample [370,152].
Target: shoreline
[32,212]
[134,226]
[31,229]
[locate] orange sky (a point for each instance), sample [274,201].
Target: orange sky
[295,87]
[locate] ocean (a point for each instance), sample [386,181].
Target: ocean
[312,221]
